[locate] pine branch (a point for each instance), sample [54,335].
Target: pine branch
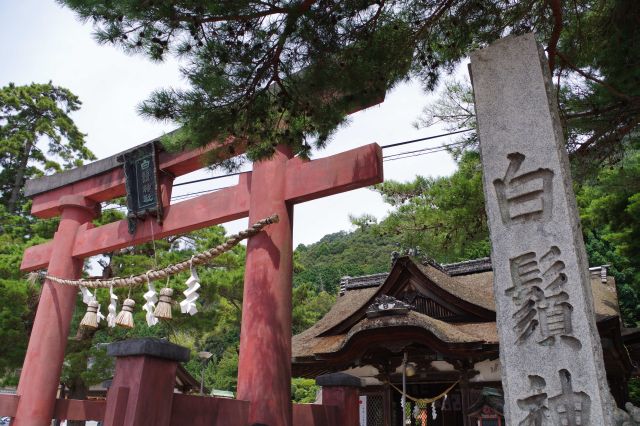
[556,8]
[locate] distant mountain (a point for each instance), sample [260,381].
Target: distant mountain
[359,252]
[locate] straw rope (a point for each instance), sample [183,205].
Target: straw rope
[426,400]
[156,274]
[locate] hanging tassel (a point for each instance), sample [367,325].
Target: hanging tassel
[151,297]
[188,305]
[93,315]
[163,309]
[90,319]
[125,317]
[111,317]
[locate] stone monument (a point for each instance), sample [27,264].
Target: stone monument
[552,367]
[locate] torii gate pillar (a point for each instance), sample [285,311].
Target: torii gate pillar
[39,380]
[274,186]
[264,369]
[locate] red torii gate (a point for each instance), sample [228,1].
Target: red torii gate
[274,186]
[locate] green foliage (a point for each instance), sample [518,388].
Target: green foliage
[309,306]
[634,391]
[602,108]
[610,213]
[361,252]
[13,335]
[443,216]
[288,71]
[37,136]
[30,115]
[303,391]
[225,373]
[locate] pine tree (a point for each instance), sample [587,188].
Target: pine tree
[30,117]
[289,70]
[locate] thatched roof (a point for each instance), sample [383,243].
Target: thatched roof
[307,345]
[473,288]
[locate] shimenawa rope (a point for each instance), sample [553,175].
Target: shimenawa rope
[156,274]
[426,400]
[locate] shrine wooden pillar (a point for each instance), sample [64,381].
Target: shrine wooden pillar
[40,375]
[264,368]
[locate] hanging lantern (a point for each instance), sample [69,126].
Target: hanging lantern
[125,317]
[90,319]
[163,309]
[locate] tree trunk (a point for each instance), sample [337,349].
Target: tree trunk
[19,180]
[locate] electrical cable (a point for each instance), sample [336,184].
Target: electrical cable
[426,138]
[391,157]
[209,178]
[426,150]
[383,147]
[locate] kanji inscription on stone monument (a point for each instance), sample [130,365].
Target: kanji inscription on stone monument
[552,367]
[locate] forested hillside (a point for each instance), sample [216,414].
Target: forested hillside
[361,252]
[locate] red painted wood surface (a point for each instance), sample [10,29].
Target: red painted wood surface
[273,187]
[346,400]
[264,365]
[75,409]
[147,385]
[356,168]
[110,185]
[315,415]
[208,411]
[305,181]
[42,366]
[8,405]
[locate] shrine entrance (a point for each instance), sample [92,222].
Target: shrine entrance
[272,188]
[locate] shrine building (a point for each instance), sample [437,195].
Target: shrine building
[443,318]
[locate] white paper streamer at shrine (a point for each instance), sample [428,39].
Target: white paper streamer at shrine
[188,305]
[99,317]
[111,317]
[86,295]
[434,413]
[151,297]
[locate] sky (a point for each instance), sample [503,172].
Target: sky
[42,41]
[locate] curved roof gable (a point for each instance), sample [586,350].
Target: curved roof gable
[468,305]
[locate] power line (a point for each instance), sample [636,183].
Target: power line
[426,150]
[209,178]
[426,139]
[383,147]
[392,157]
[200,192]
[385,159]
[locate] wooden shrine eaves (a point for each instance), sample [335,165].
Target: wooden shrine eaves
[103,180]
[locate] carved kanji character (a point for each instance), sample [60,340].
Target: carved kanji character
[541,304]
[570,408]
[524,197]
[535,405]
